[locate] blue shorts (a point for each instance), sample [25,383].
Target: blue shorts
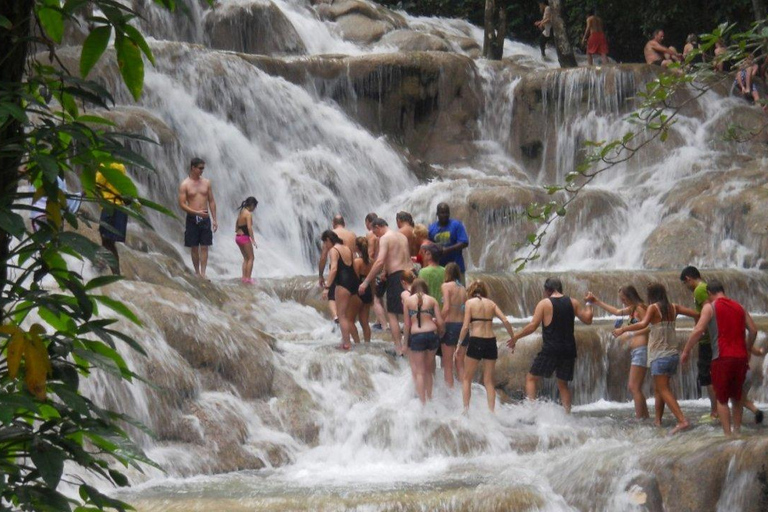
[640,356]
[666,365]
[422,341]
[452,333]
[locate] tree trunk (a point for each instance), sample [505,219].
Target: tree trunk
[560,35]
[495,29]
[758,6]
[15,43]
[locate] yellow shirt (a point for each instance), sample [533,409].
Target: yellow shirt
[108,192]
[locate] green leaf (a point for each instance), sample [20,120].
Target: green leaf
[60,321]
[118,307]
[93,48]
[51,19]
[13,223]
[90,119]
[5,23]
[130,63]
[98,282]
[137,38]
[122,183]
[664,135]
[49,461]
[120,479]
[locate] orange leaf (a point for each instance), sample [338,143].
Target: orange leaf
[37,365]
[16,348]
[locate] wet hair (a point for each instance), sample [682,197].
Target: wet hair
[452,272]
[715,286]
[633,297]
[338,220]
[405,217]
[691,272]
[371,217]
[657,294]
[421,289]
[553,284]
[330,235]
[692,38]
[433,250]
[657,31]
[249,201]
[378,222]
[478,288]
[420,231]
[196,162]
[408,277]
[362,246]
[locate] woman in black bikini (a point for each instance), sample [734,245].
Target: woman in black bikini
[362,266]
[343,275]
[244,238]
[423,325]
[479,311]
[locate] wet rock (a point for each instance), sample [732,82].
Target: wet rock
[413,41]
[644,491]
[257,27]
[294,410]
[361,22]
[676,243]
[140,121]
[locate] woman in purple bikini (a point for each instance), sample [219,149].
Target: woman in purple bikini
[244,236]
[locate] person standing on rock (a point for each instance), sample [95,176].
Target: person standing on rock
[196,199]
[113,222]
[342,275]
[691,279]
[727,323]
[556,313]
[348,239]
[244,237]
[451,235]
[594,39]
[394,257]
[454,296]
[634,307]
[423,326]
[545,25]
[405,225]
[380,290]
[663,354]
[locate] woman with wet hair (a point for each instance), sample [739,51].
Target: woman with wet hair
[343,276]
[423,326]
[663,353]
[634,308]
[362,266]
[479,312]
[454,297]
[244,237]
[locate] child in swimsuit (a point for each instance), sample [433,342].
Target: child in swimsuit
[244,237]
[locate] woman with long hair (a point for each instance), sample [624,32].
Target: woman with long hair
[663,353]
[343,275]
[244,237]
[423,324]
[479,311]
[362,266]
[454,297]
[634,308]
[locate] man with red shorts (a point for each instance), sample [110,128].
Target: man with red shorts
[727,323]
[594,38]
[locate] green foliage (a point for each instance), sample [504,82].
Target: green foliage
[52,335]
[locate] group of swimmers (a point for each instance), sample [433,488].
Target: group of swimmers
[440,314]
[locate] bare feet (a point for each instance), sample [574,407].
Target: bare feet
[656,423]
[680,427]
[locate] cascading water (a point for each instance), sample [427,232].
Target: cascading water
[254,410]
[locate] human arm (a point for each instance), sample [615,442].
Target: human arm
[538,317]
[375,269]
[249,219]
[332,271]
[446,299]
[642,324]
[406,323]
[583,313]
[587,30]
[464,331]
[212,207]
[590,297]
[546,17]
[752,330]
[439,320]
[321,266]
[508,326]
[698,332]
[682,310]
[459,233]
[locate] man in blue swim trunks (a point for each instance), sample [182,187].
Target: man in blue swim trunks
[451,235]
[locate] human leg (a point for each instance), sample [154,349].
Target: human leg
[738,413]
[448,351]
[364,316]
[342,303]
[353,308]
[248,263]
[418,360]
[589,59]
[203,260]
[429,377]
[394,328]
[470,366]
[565,395]
[195,251]
[531,382]
[725,417]
[661,382]
[490,385]
[635,385]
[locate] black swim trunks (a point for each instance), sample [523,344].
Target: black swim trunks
[422,341]
[544,365]
[113,224]
[704,364]
[198,231]
[482,348]
[381,287]
[394,289]
[367,297]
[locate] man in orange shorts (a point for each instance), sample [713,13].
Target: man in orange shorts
[594,38]
[728,324]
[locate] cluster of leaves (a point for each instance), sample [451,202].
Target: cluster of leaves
[659,105]
[54,335]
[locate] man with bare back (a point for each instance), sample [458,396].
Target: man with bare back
[594,39]
[196,199]
[394,257]
[380,290]
[348,238]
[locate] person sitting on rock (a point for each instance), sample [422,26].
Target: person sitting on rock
[657,54]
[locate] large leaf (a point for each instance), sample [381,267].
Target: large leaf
[121,183]
[137,38]
[49,461]
[93,48]
[51,19]
[131,64]
[118,307]
[12,222]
